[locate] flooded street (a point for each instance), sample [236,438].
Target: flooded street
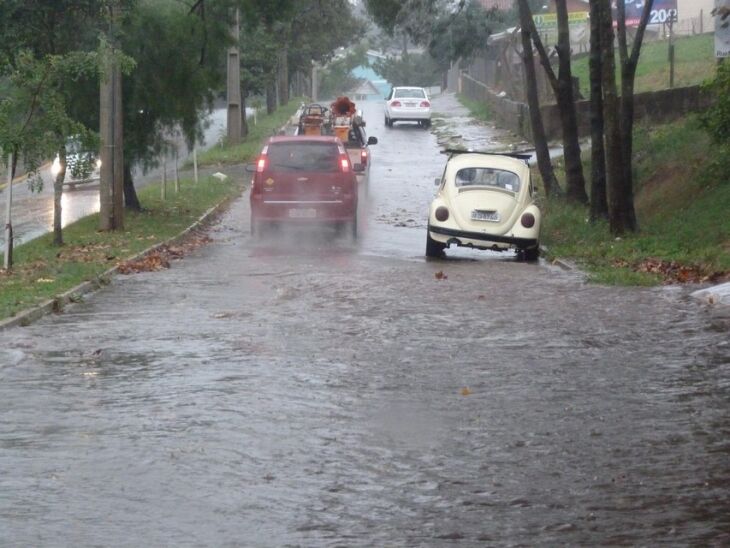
[302,390]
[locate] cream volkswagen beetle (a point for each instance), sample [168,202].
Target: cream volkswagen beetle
[484,201]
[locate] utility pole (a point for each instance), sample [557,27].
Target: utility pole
[234,86]
[111,184]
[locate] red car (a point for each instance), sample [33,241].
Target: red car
[304,179]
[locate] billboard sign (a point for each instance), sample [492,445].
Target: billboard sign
[545,21]
[662,11]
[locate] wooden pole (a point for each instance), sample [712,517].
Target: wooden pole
[233,89]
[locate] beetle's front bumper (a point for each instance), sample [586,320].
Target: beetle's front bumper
[480,239]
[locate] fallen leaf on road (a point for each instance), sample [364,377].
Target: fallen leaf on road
[465,391]
[441,276]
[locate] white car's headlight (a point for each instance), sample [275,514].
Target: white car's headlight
[56,167]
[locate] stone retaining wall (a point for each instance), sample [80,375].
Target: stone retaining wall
[653,107]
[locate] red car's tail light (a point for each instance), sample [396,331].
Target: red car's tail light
[261,164]
[363,157]
[344,164]
[527,220]
[441,213]
[425,104]
[395,104]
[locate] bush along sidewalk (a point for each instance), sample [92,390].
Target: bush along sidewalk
[45,277]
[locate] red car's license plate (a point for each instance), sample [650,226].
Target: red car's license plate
[297,213]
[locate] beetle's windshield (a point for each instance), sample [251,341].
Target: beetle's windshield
[487,176]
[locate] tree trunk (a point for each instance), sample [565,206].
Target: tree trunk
[628,73]
[611,115]
[599,205]
[131,201]
[57,194]
[565,98]
[562,86]
[271,97]
[284,75]
[538,130]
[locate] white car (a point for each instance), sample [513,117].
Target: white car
[408,104]
[484,201]
[82,166]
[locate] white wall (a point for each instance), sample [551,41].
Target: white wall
[692,8]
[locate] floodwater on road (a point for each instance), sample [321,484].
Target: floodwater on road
[302,390]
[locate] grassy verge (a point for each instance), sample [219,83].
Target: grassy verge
[682,199]
[41,271]
[694,63]
[265,127]
[477,109]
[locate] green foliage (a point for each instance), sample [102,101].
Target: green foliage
[682,205]
[34,119]
[337,77]
[462,34]
[175,77]
[717,118]
[478,109]
[411,69]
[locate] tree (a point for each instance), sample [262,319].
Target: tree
[175,78]
[562,86]
[47,47]
[599,204]
[411,69]
[538,130]
[619,113]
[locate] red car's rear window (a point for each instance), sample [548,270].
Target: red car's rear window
[291,156]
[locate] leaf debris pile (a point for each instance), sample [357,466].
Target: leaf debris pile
[160,258]
[672,272]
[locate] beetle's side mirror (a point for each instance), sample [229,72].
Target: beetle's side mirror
[437,181]
[372,140]
[250,168]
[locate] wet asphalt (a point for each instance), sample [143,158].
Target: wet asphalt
[305,390]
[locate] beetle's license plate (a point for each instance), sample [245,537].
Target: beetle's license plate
[484,215]
[296,213]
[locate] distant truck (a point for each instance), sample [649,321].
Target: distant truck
[343,121]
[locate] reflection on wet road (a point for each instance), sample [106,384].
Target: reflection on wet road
[308,391]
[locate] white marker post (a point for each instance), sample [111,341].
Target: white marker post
[8,224]
[195,163]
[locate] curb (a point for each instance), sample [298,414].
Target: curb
[75,294]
